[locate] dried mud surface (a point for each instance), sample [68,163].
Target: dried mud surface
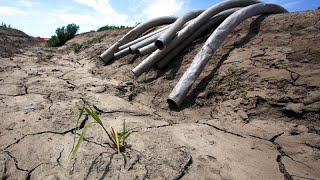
[256,117]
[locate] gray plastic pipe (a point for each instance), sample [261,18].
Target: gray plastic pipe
[169,34]
[144,37]
[147,49]
[206,15]
[134,48]
[213,22]
[135,33]
[212,44]
[122,53]
[156,56]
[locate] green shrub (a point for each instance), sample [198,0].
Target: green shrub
[4,25]
[107,27]
[63,34]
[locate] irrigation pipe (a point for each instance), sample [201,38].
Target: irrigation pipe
[144,37]
[156,56]
[169,34]
[212,44]
[213,22]
[147,49]
[135,33]
[206,15]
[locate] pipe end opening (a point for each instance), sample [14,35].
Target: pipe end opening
[172,104]
[159,44]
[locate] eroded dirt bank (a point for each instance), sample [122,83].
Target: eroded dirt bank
[257,117]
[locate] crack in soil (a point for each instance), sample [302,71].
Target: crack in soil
[160,126]
[134,163]
[100,111]
[59,158]
[223,130]
[282,154]
[39,133]
[184,168]
[302,177]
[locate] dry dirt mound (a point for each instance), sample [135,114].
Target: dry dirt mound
[257,117]
[12,40]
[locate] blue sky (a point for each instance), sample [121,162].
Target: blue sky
[41,18]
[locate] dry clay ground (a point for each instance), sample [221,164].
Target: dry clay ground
[257,117]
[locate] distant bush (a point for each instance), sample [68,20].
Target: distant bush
[107,27]
[63,34]
[4,25]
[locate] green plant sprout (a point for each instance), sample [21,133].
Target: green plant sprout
[119,140]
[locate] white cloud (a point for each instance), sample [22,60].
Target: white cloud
[10,11]
[104,11]
[26,3]
[159,8]
[78,19]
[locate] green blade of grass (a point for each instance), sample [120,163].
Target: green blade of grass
[98,120]
[94,115]
[75,129]
[126,136]
[75,149]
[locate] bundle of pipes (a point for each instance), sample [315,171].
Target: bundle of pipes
[165,43]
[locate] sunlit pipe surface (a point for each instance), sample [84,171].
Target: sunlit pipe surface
[122,53]
[206,15]
[211,45]
[144,37]
[135,33]
[156,56]
[147,49]
[134,48]
[169,34]
[217,19]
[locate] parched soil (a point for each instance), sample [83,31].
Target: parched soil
[13,40]
[252,114]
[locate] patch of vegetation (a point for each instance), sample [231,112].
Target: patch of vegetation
[107,27]
[4,25]
[76,47]
[234,85]
[8,26]
[118,140]
[63,34]
[95,40]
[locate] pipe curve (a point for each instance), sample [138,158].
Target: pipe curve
[134,33]
[211,45]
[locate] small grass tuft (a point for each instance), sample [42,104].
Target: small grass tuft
[118,140]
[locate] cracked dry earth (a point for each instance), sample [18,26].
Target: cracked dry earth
[257,117]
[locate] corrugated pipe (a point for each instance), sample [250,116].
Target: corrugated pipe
[135,33]
[203,18]
[217,19]
[156,56]
[211,45]
[169,34]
